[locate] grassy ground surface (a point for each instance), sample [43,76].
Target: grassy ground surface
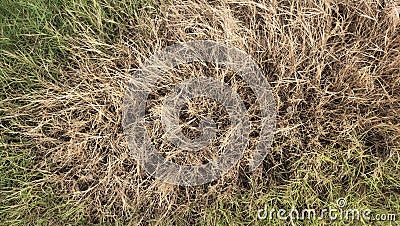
[334,67]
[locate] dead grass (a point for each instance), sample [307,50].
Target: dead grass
[335,71]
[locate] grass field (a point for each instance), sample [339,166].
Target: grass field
[334,68]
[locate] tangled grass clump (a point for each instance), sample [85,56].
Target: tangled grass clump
[334,68]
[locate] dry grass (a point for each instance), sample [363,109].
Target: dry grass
[335,71]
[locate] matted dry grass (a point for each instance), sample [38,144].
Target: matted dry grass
[335,71]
